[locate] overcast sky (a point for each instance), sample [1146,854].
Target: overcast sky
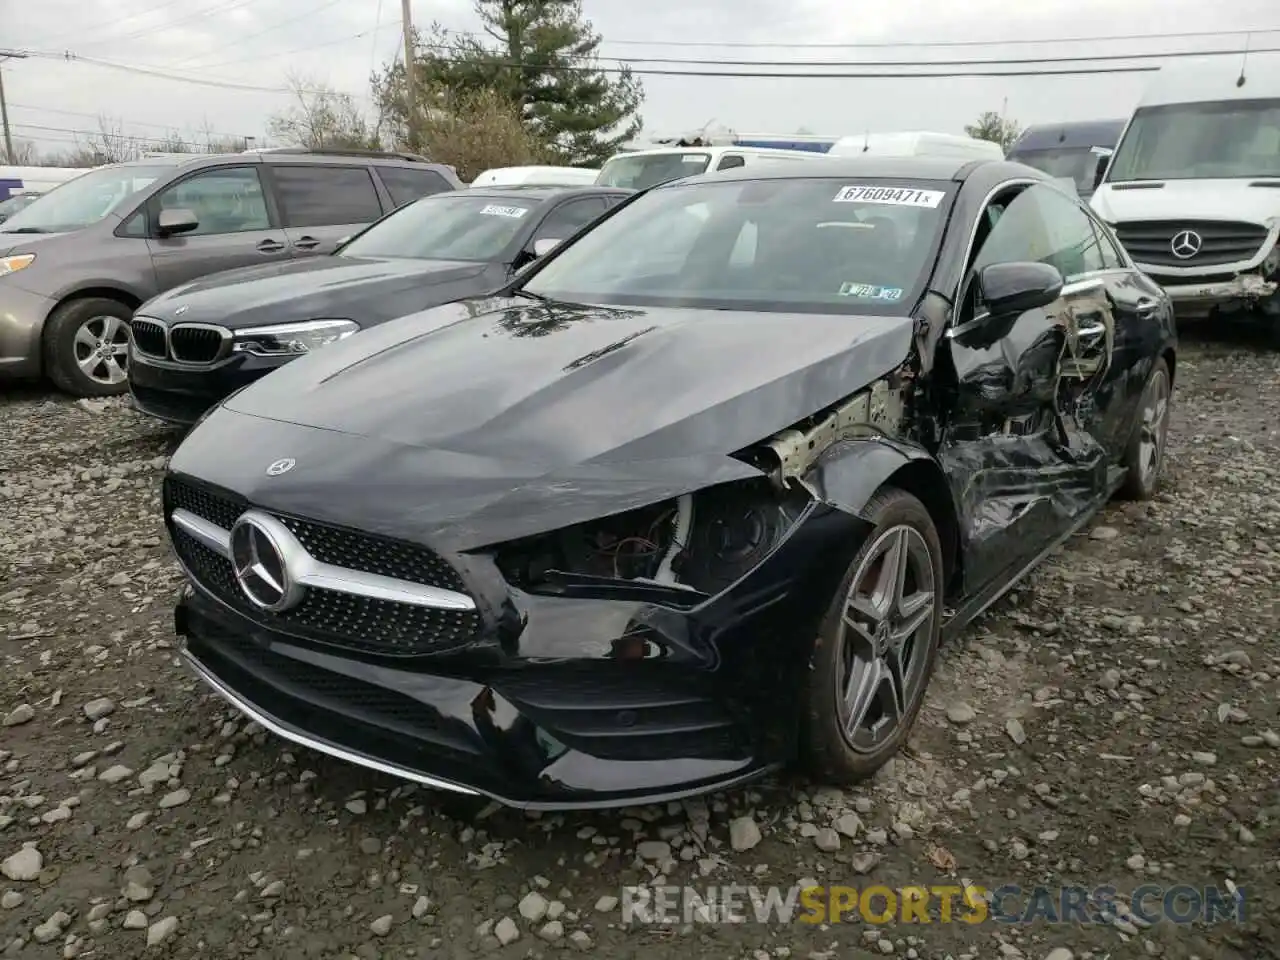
[339,42]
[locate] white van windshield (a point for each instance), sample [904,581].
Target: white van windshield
[1199,141]
[638,171]
[83,200]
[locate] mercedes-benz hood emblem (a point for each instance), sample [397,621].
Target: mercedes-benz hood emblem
[281,466]
[1186,244]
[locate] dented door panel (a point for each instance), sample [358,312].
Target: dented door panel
[1019,449]
[1141,328]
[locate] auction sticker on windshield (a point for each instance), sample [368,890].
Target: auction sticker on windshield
[493,210]
[890,196]
[870,291]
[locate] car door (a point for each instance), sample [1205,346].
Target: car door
[322,204]
[1019,445]
[1142,313]
[407,184]
[236,226]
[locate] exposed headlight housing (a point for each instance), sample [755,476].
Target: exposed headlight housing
[291,339]
[10,265]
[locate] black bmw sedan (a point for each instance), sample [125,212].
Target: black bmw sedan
[193,345]
[697,496]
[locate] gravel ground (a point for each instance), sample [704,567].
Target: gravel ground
[1113,723]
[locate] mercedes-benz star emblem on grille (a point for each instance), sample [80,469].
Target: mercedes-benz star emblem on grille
[1186,244]
[281,466]
[262,555]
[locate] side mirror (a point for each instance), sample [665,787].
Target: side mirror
[1011,289]
[175,221]
[544,246]
[1104,160]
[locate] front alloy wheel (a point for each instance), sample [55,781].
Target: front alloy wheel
[876,651]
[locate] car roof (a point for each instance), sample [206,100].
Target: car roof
[957,169]
[526,191]
[281,156]
[1083,133]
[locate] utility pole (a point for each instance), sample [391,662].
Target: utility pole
[4,106]
[410,86]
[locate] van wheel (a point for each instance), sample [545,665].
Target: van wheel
[86,347]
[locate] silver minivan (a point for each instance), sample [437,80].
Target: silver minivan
[77,262]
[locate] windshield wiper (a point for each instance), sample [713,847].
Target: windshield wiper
[530,296]
[25,230]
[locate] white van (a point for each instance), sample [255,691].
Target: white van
[16,180]
[1193,190]
[916,143]
[639,169]
[543,176]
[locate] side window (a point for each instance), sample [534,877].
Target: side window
[135,226]
[568,218]
[1111,259]
[326,196]
[224,200]
[731,160]
[406,185]
[1045,225]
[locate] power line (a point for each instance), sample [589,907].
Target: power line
[864,64]
[107,23]
[207,12]
[174,135]
[97,116]
[240,41]
[883,45]
[288,53]
[980,68]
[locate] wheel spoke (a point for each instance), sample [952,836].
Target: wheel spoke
[861,692]
[84,338]
[916,611]
[115,371]
[110,327]
[89,364]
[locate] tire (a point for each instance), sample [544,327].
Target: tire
[75,330]
[1144,456]
[830,753]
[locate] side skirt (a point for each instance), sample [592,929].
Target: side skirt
[976,605]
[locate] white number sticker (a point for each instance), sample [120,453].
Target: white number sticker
[493,210]
[890,196]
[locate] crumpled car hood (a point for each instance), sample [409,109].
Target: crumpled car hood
[488,420]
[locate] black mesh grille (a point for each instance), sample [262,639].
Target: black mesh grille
[148,337]
[337,619]
[1151,241]
[195,344]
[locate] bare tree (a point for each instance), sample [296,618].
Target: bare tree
[476,130]
[322,117]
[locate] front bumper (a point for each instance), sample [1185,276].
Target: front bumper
[555,736]
[181,393]
[22,317]
[1244,291]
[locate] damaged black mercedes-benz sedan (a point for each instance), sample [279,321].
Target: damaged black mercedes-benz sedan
[696,496]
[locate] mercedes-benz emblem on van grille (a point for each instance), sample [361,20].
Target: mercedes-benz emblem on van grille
[281,466]
[1186,244]
[260,554]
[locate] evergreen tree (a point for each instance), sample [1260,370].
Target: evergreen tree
[541,55]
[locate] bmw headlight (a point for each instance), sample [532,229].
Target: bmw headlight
[291,339]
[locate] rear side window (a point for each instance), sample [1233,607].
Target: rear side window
[326,196]
[407,185]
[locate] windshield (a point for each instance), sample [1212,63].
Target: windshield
[11,206]
[83,200]
[445,227]
[1196,141]
[784,245]
[639,171]
[1079,164]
